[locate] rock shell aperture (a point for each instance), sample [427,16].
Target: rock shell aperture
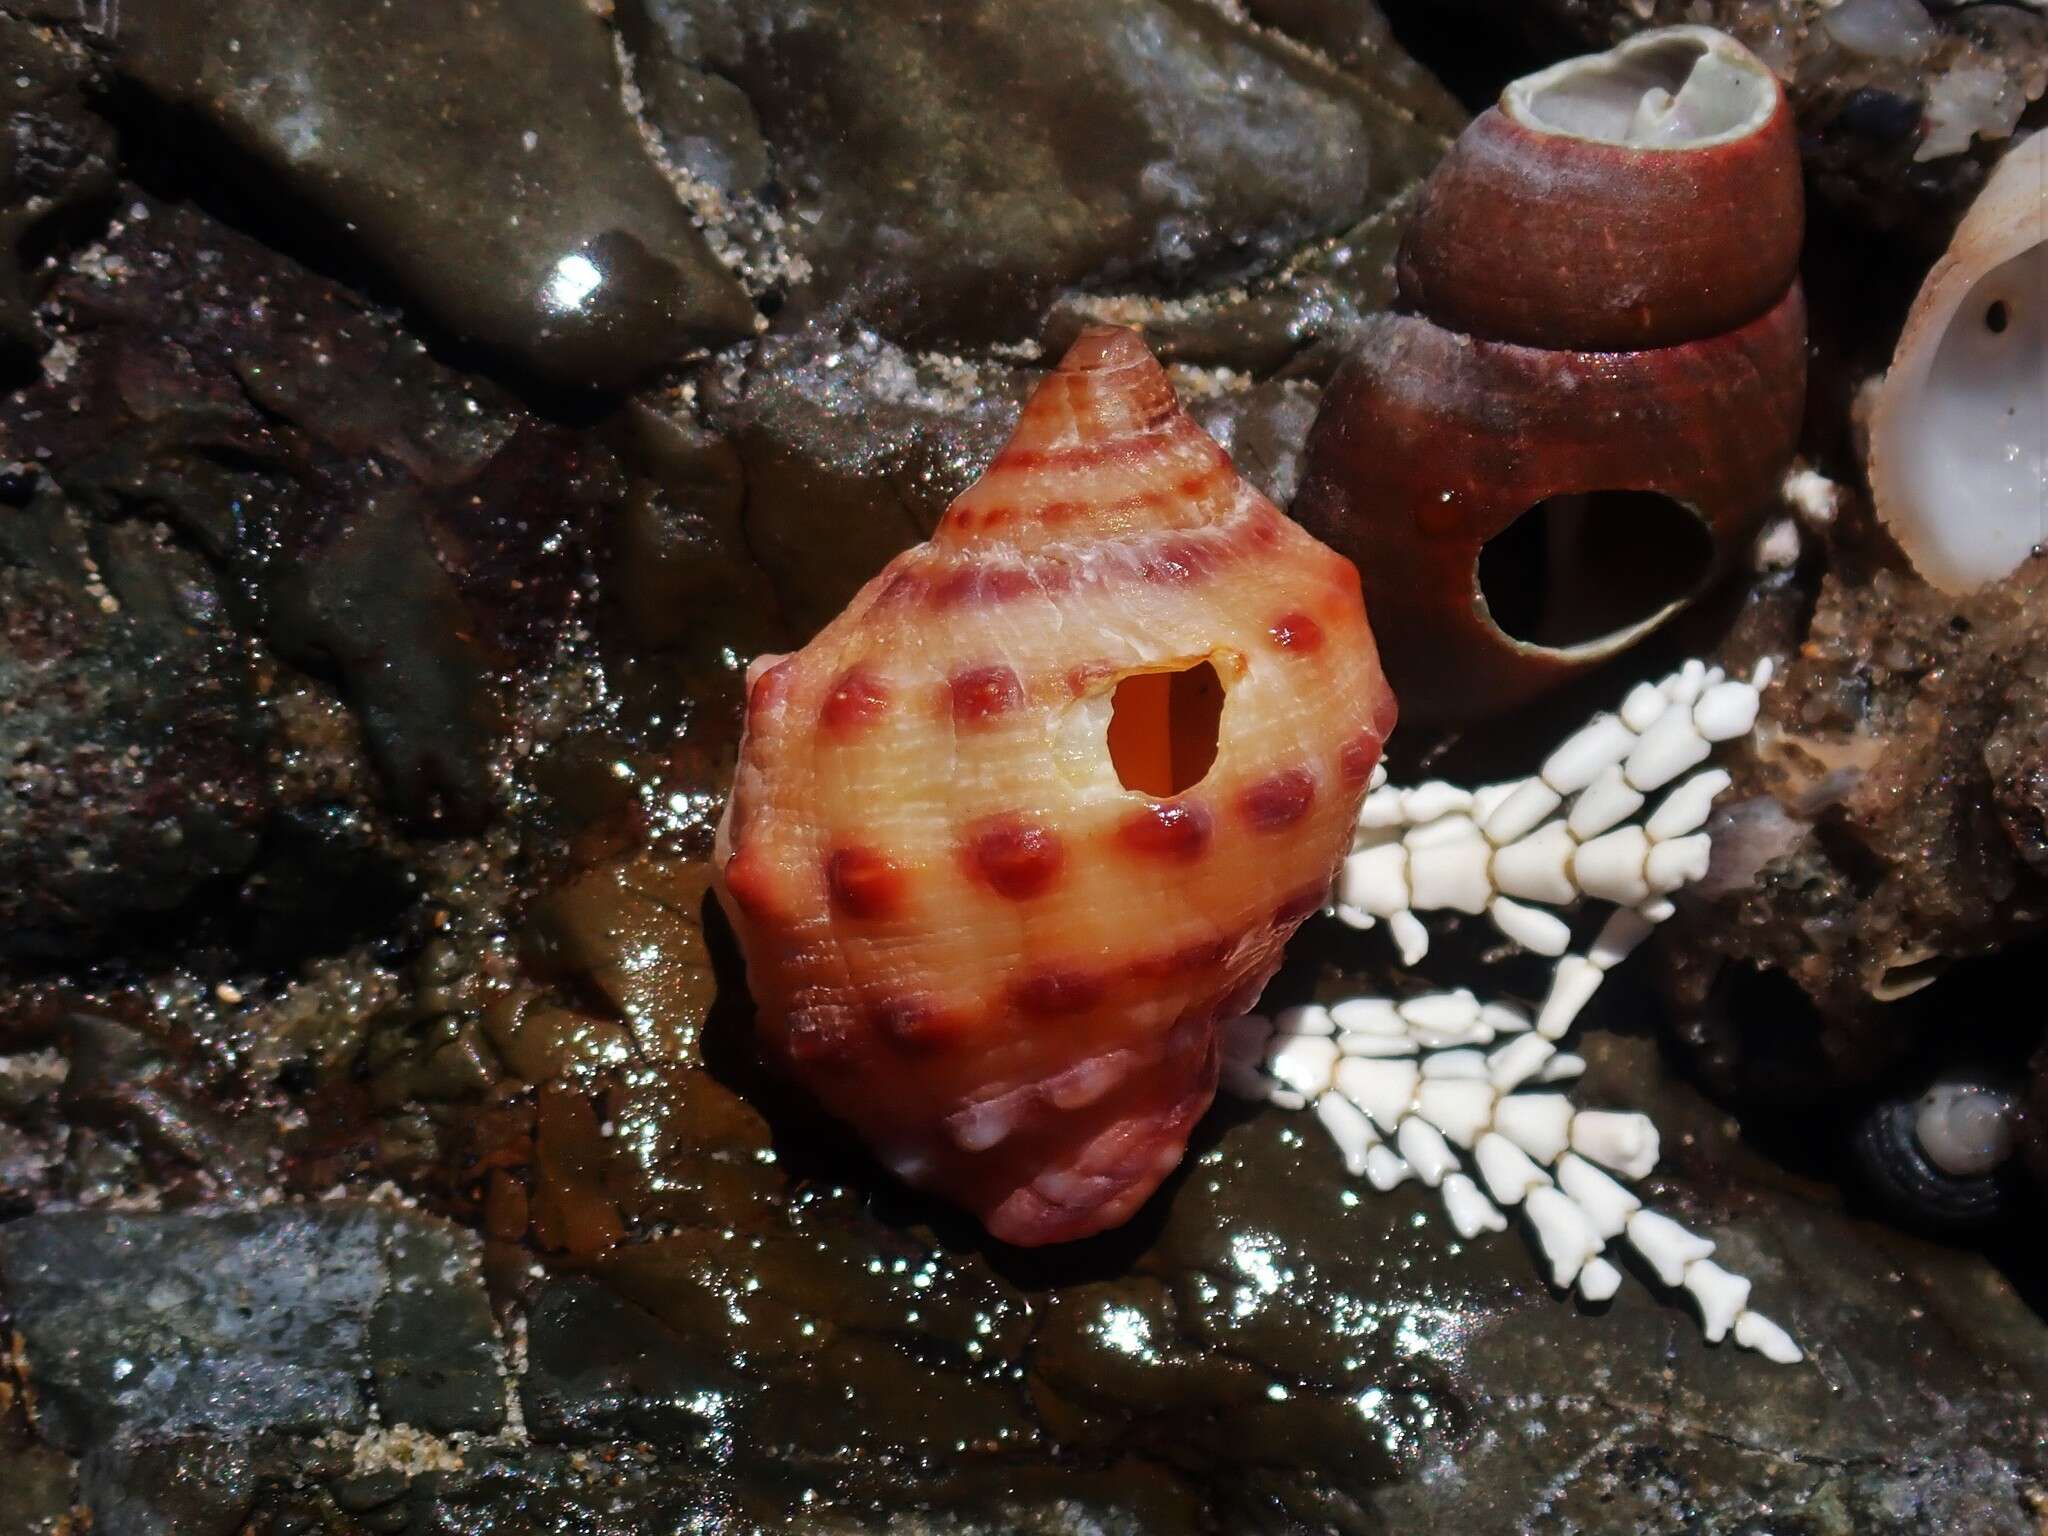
[1017,830]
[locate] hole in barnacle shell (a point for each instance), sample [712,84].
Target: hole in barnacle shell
[1163,728]
[1592,568]
[1672,92]
[1996,317]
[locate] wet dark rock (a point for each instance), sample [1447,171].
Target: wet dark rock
[130,740]
[600,1368]
[181,1487]
[530,219]
[243,1323]
[38,1493]
[56,167]
[433,1346]
[375,516]
[930,200]
[139,1328]
[851,450]
[705,121]
[120,1080]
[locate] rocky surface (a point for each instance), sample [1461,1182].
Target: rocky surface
[381,1148]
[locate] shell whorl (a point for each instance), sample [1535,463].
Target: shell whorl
[1102,450]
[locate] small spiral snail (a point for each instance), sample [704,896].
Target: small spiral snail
[1598,293]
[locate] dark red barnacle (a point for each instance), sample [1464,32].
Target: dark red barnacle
[864,883]
[1013,856]
[1278,801]
[1576,418]
[856,701]
[1295,632]
[1168,829]
[1051,991]
[978,694]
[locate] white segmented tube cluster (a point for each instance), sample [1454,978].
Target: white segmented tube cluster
[1408,1089]
[1561,836]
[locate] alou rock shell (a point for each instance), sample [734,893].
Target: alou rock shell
[965,936]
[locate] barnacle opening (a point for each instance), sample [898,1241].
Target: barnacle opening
[1593,568]
[1163,728]
[1681,89]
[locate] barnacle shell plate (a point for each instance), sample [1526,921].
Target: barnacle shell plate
[1430,443]
[1959,438]
[965,934]
[1642,197]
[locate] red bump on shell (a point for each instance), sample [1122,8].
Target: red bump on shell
[751,883]
[770,687]
[1296,632]
[1168,829]
[1278,801]
[856,701]
[915,1020]
[863,883]
[821,1035]
[1014,857]
[979,694]
[1361,754]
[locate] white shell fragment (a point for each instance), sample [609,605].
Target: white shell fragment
[1416,1088]
[1959,437]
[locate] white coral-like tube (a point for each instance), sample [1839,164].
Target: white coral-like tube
[1405,1088]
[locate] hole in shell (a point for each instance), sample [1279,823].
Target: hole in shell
[1593,567]
[1675,92]
[1163,728]
[1997,317]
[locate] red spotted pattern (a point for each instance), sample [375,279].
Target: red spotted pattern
[1277,802]
[856,702]
[1296,633]
[1014,857]
[979,694]
[947,907]
[1178,830]
[865,884]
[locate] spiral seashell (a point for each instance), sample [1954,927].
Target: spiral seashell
[1019,829]
[1605,322]
[1959,437]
